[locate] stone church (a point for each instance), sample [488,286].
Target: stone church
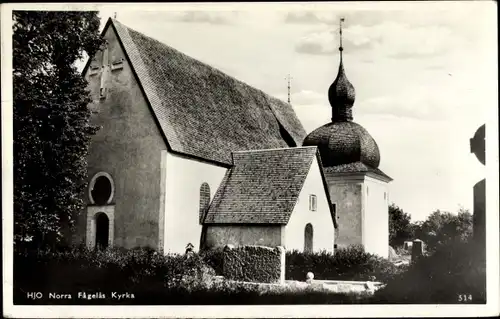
[186,154]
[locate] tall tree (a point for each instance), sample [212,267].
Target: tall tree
[52,128]
[399,226]
[444,227]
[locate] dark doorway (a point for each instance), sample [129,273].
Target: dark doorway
[308,238]
[102,231]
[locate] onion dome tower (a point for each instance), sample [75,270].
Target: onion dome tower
[350,158]
[343,141]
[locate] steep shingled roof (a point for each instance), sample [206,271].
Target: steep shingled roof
[202,111]
[262,187]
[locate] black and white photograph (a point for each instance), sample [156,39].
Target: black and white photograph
[228,157]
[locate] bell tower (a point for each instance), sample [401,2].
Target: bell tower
[350,158]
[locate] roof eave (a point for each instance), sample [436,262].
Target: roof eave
[327,191]
[231,223]
[141,86]
[383,177]
[301,187]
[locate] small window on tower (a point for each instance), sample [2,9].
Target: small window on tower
[385,195]
[367,191]
[312,203]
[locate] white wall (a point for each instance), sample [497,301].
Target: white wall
[184,177]
[376,217]
[346,193]
[321,219]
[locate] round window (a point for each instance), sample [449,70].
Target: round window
[101,190]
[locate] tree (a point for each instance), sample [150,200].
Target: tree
[444,227]
[51,120]
[399,226]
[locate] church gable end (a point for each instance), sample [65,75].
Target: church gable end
[312,224]
[127,146]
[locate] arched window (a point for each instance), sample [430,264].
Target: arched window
[204,200]
[101,189]
[102,231]
[308,238]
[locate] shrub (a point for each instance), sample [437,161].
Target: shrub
[351,263]
[154,279]
[454,269]
[214,258]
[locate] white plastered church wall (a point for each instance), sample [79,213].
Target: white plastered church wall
[183,179]
[321,219]
[346,193]
[376,217]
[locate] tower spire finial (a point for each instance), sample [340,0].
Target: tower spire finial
[289,78]
[340,32]
[341,93]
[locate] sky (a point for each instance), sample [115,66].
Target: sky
[425,76]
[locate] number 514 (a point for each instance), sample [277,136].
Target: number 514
[464,297]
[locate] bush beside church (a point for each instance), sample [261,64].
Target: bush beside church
[152,278]
[351,263]
[454,273]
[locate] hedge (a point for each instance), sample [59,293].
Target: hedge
[107,271]
[214,258]
[154,279]
[453,270]
[253,264]
[351,263]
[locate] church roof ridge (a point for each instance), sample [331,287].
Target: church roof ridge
[201,111]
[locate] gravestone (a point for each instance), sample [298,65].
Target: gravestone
[407,245]
[417,250]
[392,254]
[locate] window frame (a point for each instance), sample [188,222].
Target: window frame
[313,202]
[92,183]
